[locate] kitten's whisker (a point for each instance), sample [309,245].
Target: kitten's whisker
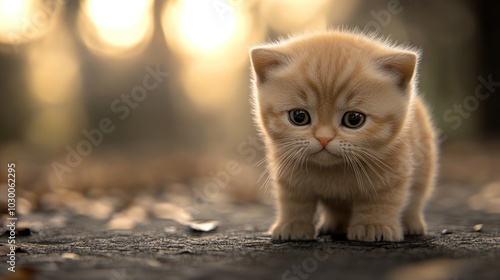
[304,158]
[297,162]
[375,158]
[266,183]
[356,172]
[346,161]
[287,153]
[284,164]
[279,169]
[404,142]
[367,156]
[266,171]
[284,149]
[375,171]
[268,180]
[259,162]
[359,166]
[366,173]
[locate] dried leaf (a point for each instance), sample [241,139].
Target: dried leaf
[70,256]
[171,211]
[128,218]
[446,231]
[170,229]
[204,226]
[153,263]
[58,221]
[178,214]
[477,227]
[121,222]
[24,206]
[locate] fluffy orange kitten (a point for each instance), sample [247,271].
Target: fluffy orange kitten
[344,128]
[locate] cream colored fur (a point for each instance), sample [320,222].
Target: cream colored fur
[371,181]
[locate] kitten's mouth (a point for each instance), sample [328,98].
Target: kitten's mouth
[325,154]
[324,151]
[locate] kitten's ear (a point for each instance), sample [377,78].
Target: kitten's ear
[400,65]
[264,61]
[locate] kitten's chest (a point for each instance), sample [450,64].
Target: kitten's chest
[335,182]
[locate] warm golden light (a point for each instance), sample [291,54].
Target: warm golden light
[295,15]
[206,24]
[212,39]
[26,20]
[54,79]
[53,68]
[205,27]
[52,128]
[118,22]
[12,14]
[114,26]
[212,86]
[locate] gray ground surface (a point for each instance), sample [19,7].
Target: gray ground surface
[240,249]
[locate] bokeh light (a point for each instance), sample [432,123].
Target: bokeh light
[52,128]
[53,68]
[25,20]
[12,14]
[116,28]
[206,31]
[53,76]
[285,16]
[212,40]
[54,79]
[212,87]
[205,28]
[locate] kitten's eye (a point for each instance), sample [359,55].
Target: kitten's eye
[299,117]
[353,119]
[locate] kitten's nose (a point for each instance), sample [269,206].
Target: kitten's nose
[324,140]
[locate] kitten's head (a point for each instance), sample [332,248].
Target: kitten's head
[320,97]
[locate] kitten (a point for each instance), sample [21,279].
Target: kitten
[344,128]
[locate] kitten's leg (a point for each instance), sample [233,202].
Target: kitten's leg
[295,216]
[378,218]
[413,218]
[335,218]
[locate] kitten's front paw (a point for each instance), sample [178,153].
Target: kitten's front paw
[293,231]
[415,226]
[375,232]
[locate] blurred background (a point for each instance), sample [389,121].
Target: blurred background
[123,106]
